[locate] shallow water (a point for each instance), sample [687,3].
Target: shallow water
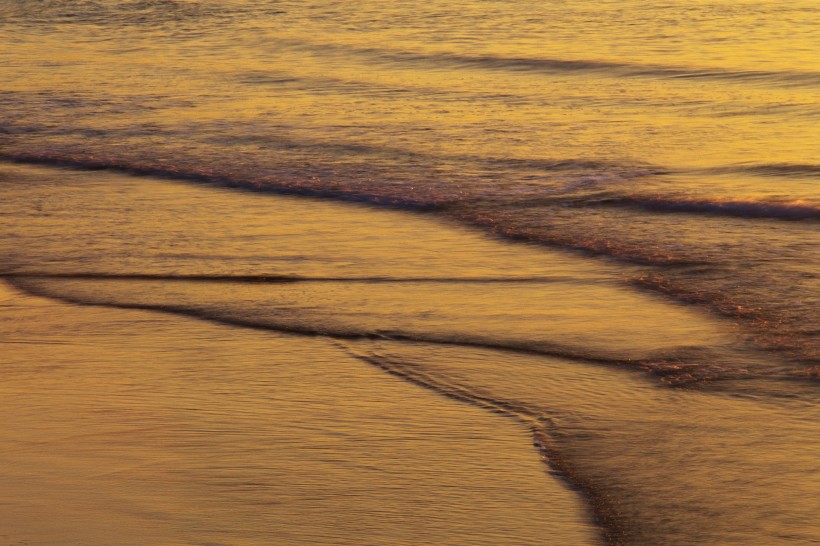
[578,361]
[599,220]
[139,428]
[663,135]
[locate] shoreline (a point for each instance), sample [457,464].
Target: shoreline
[126,249]
[93,452]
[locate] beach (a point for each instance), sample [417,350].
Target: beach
[392,379]
[479,273]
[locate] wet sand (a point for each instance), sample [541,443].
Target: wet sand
[129,427]
[189,364]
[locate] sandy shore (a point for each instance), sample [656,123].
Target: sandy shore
[129,427]
[195,365]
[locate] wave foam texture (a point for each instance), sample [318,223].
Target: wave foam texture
[723,252]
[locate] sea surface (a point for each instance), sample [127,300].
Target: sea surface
[453,272]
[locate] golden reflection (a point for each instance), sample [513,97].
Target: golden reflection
[186,363]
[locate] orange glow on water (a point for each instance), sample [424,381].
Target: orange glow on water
[602,239]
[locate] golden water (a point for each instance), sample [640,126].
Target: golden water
[545,273]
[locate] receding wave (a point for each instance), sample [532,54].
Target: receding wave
[556,223]
[295,186]
[458,208]
[590,173]
[540,424]
[762,321]
[461,208]
[672,367]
